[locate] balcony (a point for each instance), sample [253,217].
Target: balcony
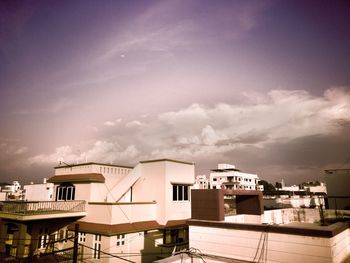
[35,210]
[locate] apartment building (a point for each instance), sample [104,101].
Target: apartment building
[226,176]
[123,213]
[201,182]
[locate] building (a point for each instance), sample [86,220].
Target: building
[132,213]
[201,182]
[11,191]
[338,181]
[39,192]
[226,176]
[254,235]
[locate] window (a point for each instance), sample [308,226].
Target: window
[43,237]
[81,237]
[175,236]
[65,192]
[120,240]
[97,247]
[180,192]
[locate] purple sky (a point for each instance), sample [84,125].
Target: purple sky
[264,85]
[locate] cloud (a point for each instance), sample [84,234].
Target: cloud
[133,124]
[109,123]
[11,148]
[101,151]
[274,130]
[169,25]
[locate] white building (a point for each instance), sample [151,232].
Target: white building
[11,191]
[226,176]
[201,182]
[39,192]
[138,213]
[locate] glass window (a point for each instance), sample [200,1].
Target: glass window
[174,193]
[65,192]
[120,239]
[97,247]
[180,192]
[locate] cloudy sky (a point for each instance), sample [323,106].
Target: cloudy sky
[264,85]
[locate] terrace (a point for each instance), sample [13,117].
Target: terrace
[36,210]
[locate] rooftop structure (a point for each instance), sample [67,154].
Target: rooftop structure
[251,234]
[338,181]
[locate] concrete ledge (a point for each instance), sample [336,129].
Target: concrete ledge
[314,231]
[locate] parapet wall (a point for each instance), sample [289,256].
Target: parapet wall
[271,243]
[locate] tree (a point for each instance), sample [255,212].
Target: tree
[267,186]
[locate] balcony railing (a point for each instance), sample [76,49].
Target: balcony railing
[41,207]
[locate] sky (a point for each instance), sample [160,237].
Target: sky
[263,85]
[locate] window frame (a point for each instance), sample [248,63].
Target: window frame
[120,240]
[180,192]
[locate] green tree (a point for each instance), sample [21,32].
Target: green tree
[267,186]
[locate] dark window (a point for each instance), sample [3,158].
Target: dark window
[120,239]
[65,192]
[180,192]
[175,236]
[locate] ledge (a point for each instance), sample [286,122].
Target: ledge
[315,231]
[122,203]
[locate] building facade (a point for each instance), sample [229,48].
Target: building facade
[130,213]
[202,182]
[226,176]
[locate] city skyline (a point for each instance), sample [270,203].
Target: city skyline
[264,85]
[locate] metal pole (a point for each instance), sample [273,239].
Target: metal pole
[75,248]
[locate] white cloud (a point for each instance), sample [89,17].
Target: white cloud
[199,131]
[109,123]
[133,124]
[11,147]
[63,153]
[100,151]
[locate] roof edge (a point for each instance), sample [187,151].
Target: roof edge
[167,160]
[91,163]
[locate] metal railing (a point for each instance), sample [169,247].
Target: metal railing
[41,207]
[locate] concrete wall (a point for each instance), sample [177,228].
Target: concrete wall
[109,213]
[155,184]
[139,247]
[177,173]
[248,245]
[39,192]
[289,215]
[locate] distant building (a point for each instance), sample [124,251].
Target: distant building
[322,188]
[12,192]
[338,182]
[201,182]
[226,176]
